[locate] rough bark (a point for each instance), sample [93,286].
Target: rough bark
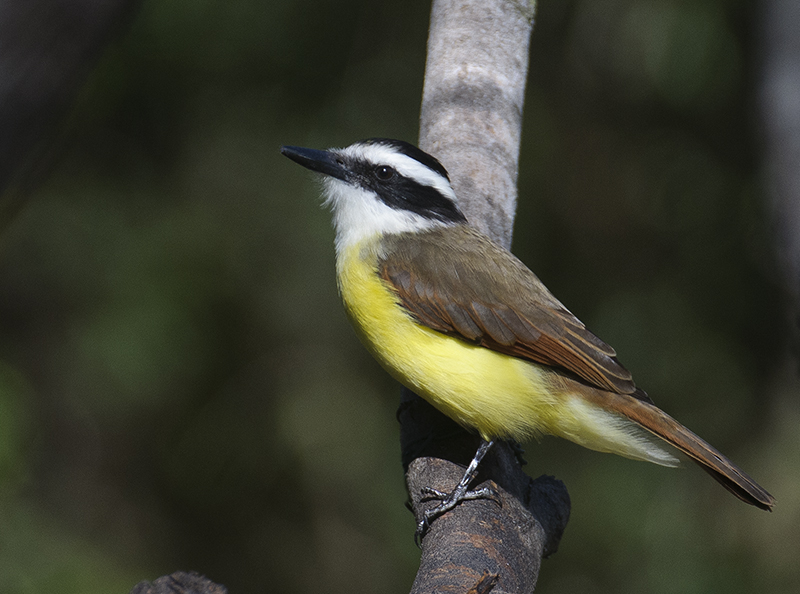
[471,119]
[504,540]
[180,582]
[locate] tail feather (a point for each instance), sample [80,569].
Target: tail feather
[708,458]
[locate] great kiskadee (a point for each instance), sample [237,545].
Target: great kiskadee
[462,322]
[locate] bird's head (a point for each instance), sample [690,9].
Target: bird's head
[381,186]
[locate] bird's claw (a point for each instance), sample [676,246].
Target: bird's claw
[448,502]
[429,493]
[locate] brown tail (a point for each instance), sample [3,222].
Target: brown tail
[709,459]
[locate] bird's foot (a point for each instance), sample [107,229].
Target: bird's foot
[459,494]
[448,502]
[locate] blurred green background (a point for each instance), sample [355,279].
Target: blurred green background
[180,389]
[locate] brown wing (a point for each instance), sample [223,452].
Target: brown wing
[457,281]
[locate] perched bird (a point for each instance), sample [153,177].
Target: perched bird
[462,322]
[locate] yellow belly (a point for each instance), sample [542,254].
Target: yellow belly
[498,395]
[495,394]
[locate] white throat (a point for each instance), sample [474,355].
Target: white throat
[359,214]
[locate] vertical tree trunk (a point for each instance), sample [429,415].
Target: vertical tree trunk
[471,120]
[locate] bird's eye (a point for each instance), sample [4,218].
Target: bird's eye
[384,172]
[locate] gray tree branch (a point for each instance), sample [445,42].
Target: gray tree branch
[471,119]
[180,582]
[472,100]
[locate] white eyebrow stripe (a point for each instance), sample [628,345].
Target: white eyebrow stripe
[379,154]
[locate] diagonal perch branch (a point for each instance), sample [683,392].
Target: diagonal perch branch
[508,540]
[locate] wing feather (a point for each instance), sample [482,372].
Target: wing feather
[445,284]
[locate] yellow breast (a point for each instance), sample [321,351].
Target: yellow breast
[498,395]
